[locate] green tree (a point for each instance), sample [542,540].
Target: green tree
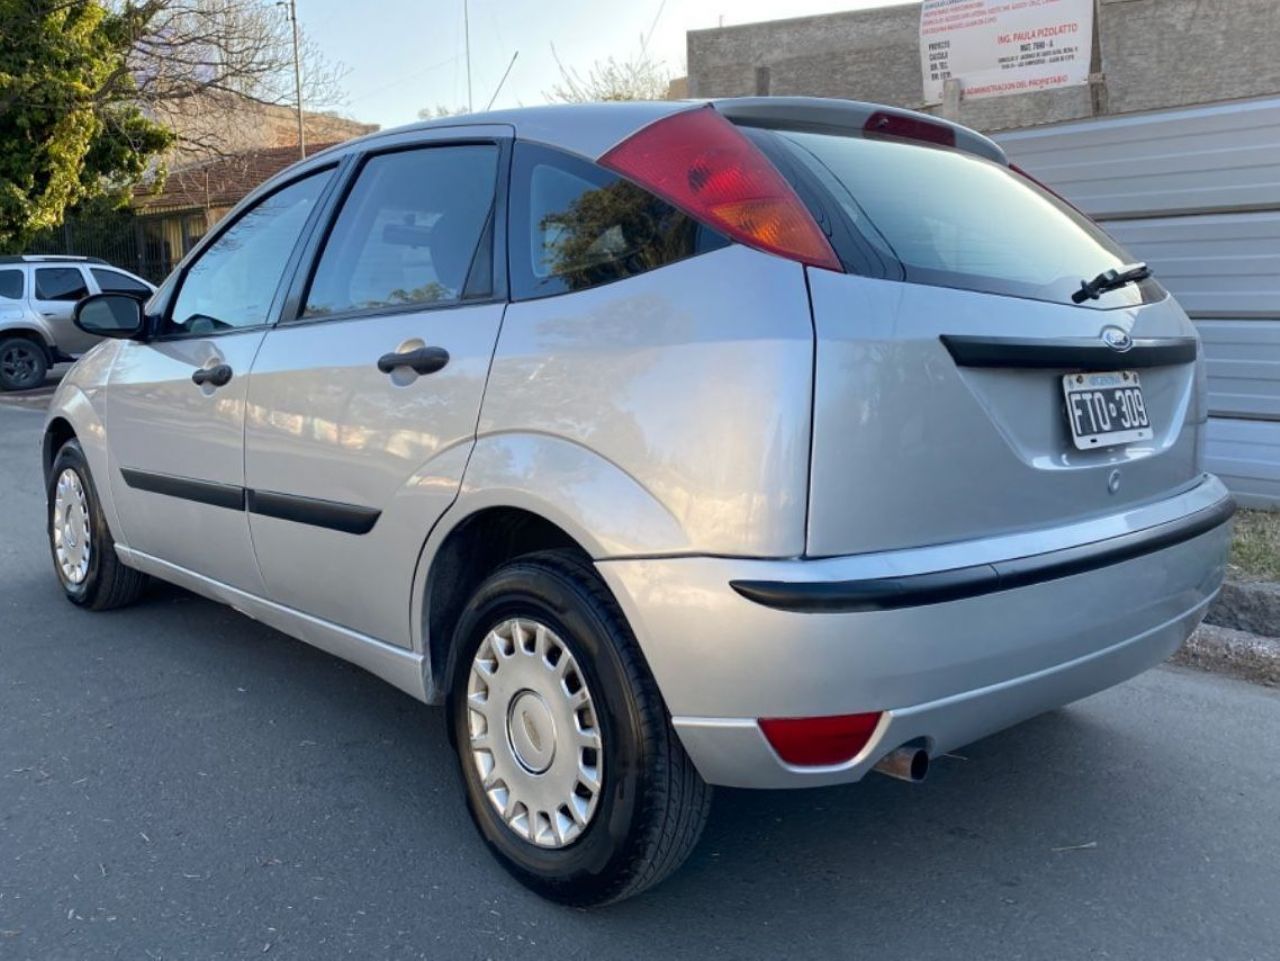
[71,127]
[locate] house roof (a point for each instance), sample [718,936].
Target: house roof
[221,182]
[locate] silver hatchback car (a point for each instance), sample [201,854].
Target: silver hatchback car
[761,442]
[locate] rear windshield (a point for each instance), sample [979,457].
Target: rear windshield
[952,219]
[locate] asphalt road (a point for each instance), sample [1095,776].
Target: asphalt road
[177,781]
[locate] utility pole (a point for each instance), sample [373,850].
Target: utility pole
[297,75]
[466,31]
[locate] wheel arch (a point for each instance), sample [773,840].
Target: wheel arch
[37,335]
[523,492]
[473,547]
[57,432]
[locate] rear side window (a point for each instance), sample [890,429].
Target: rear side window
[60,283]
[575,225]
[408,232]
[11,284]
[114,280]
[952,219]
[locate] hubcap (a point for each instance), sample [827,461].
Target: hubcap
[535,740]
[18,364]
[71,538]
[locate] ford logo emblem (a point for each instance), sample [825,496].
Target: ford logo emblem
[1116,339]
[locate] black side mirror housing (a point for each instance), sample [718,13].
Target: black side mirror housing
[111,315]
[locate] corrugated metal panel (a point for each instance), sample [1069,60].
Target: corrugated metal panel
[1246,455]
[1217,265]
[1243,363]
[1221,157]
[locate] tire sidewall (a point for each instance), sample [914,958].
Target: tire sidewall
[613,837]
[70,456]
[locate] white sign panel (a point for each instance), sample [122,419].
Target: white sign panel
[997,47]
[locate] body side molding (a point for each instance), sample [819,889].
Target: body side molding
[917,590]
[333,515]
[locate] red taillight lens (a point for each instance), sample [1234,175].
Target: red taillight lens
[698,161]
[819,741]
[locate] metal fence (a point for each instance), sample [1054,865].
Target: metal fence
[118,237]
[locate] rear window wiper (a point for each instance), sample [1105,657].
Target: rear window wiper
[1110,280]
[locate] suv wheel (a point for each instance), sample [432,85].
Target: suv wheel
[84,553]
[23,364]
[572,771]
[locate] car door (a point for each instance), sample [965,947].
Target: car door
[54,294]
[363,404]
[176,403]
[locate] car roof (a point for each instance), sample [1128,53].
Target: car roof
[590,129]
[49,259]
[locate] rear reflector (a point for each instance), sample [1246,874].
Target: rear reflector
[819,741]
[698,161]
[909,128]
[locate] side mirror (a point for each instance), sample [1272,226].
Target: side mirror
[110,315]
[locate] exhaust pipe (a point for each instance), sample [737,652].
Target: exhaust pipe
[905,763]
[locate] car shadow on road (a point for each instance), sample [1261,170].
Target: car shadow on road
[989,822]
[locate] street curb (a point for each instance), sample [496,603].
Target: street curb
[1250,606]
[1227,651]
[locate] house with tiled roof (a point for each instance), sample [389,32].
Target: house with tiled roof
[170,219]
[223,154]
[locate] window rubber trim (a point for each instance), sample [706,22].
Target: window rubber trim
[937,587]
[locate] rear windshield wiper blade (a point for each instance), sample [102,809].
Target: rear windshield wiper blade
[1110,280]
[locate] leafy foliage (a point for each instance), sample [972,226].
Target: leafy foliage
[70,127]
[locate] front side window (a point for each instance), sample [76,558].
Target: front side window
[11,284]
[953,219]
[408,233]
[575,225]
[60,283]
[116,281]
[232,284]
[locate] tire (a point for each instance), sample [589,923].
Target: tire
[99,581]
[650,805]
[23,364]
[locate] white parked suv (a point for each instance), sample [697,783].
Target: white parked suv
[761,443]
[37,296]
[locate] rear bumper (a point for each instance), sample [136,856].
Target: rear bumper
[946,671]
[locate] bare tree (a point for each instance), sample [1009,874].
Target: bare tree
[211,69]
[639,77]
[440,111]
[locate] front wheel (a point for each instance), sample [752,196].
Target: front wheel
[84,552]
[573,773]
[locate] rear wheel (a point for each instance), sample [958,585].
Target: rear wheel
[23,364]
[84,552]
[573,773]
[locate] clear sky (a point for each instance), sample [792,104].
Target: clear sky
[404,55]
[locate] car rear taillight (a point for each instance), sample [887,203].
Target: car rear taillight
[819,741]
[698,161]
[884,124]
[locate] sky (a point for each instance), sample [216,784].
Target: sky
[405,55]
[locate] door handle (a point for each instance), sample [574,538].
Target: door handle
[424,360]
[218,376]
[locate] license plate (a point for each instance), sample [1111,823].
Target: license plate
[1106,409]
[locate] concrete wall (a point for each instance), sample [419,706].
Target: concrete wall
[1154,54]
